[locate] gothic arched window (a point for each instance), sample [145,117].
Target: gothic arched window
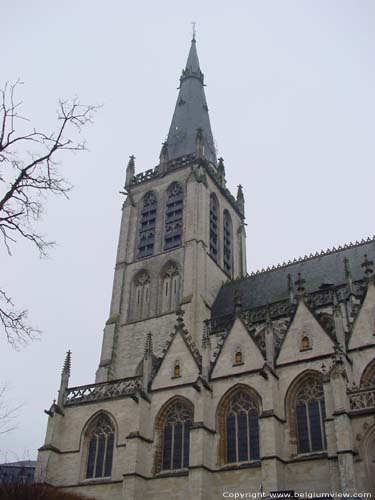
[227,243]
[214,216]
[173,216]
[147,223]
[368,376]
[170,288]
[176,437]
[310,414]
[239,427]
[100,438]
[140,301]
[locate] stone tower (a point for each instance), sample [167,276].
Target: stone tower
[170,253]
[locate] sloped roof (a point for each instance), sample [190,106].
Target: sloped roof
[267,287]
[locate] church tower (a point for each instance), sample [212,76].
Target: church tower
[181,236]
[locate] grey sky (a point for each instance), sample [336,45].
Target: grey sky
[290,89]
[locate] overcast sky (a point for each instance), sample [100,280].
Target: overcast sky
[290,89]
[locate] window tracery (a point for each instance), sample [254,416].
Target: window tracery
[176,437]
[239,428]
[147,224]
[227,243]
[173,216]
[214,216]
[140,303]
[170,288]
[310,415]
[100,439]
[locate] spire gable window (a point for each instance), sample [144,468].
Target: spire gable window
[174,217]
[214,221]
[227,243]
[147,224]
[99,439]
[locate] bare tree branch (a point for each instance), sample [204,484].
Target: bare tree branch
[28,173]
[8,415]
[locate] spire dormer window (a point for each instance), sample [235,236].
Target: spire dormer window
[146,236]
[173,217]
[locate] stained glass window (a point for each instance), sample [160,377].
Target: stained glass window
[242,429]
[176,437]
[100,438]
[173,216]
[146,237]
[310,414]
[214,215]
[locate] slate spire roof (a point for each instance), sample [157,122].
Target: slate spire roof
[191,112]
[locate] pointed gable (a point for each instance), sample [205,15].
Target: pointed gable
[363,331]
[304,326]
[178,352]
[238,337]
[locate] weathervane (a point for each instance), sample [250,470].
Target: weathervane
[194,30]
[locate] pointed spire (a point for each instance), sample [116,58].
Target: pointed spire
[163,157]
[65,375]
[241,200]
[191,113]
[130,171]
[67,363]
[221,172]
[148,351]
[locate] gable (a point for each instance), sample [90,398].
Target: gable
[177,351]
[363,331]
[252,358]
[304,324]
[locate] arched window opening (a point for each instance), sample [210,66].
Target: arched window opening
[176,437]
[238,357]
[170,290]
[173,216]
[177,369]
[310,415]
[227,243]
[239,427]
[146,237]
[368,376]
[100,439]
[305,344]
[140,304]
[214,217]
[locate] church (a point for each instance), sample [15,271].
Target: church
[213,382]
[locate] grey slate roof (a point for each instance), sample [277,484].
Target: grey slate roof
[191,113]
[271,286]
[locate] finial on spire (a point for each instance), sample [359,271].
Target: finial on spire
[241,200]
[67,363]
[163,157]
[199,144]
[130,171]
[221,172]
[194,30]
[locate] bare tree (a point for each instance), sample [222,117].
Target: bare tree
[8,414]
[28,172]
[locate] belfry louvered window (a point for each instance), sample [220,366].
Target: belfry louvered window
[214,215]
[227,243]
[310,415]
[173,216]
[242,429]
[146,238]
[100,442]
[176,437]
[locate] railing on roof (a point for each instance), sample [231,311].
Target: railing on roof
[103,390]
[362,398]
